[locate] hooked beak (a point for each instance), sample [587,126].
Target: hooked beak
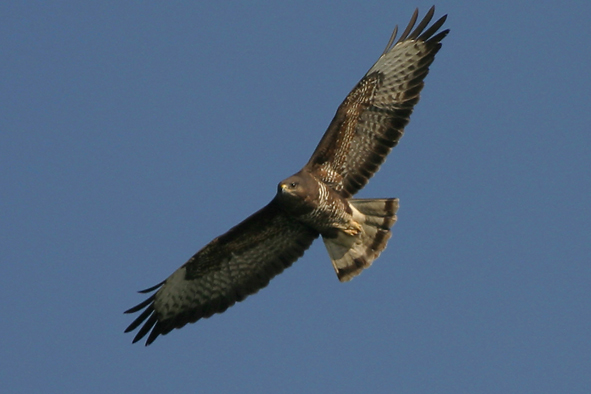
[283,188]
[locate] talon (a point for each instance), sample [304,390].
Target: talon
[355,230]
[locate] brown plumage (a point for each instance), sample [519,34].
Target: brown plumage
[315,201]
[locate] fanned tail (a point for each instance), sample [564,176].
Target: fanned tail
[351,254]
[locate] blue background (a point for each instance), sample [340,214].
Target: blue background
[132,133]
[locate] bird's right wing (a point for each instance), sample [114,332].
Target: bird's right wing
[225,271]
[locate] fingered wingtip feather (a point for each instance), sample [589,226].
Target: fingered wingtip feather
[141,305]
[433,29]
[151,288]
[148,325]
[391,40]
[410,25]
[424,23]
[140,319]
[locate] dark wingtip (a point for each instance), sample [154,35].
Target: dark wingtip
[440,36]
[156,331]
[148,325]
[418,33]
[410,25]
[391,40]
[151,288]
[140,319]
[147,317]
[141,305]
[430,31]
[422,24]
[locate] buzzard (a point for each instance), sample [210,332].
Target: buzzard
[316,201]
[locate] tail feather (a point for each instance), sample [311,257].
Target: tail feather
[351,254]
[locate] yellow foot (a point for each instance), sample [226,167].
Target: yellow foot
[356,229]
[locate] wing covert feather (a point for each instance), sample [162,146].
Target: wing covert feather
[227,270]
[371,119]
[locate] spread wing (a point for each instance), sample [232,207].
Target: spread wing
[371,120]
[227,270]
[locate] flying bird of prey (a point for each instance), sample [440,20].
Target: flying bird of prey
[314,201]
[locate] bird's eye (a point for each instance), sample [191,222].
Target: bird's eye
[293,184]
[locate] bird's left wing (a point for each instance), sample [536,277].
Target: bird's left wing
[225,271]
[371,119]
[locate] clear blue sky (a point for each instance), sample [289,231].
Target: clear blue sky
[132,133]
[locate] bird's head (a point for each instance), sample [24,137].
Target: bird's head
[292,188]
[298,192]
